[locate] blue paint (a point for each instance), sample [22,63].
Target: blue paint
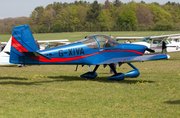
[118,76]
[89,75]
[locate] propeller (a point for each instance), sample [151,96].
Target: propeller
[150,50]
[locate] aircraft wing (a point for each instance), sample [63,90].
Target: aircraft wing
[152,37]
[136,58]
[176,37]
[54,42]
[126,38]
[164,36]
[3,43]
[46,43]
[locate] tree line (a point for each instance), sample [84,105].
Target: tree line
[110,16]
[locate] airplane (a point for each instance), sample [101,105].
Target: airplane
[45,44]
[155,42]
[4,54]
[92,50]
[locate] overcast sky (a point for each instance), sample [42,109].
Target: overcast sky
[18,8]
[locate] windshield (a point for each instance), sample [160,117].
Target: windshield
[106,41]
[96,41]
[146,39]
[90,42]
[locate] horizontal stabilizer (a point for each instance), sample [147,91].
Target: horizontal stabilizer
[35,54]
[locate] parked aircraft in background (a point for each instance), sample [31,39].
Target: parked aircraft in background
[92,50]
[45,44]
[4,54]
[155,42]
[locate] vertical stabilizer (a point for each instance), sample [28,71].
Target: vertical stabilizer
[22,41]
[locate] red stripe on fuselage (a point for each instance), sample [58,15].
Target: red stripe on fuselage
[42,59]
[124,50]
[133,51]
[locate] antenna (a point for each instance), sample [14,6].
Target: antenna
[162,33]
[155,34]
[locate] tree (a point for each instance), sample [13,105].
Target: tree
[48,17]
[93,12]
[159,13]
[57,6]
[117,3]
[163,25]
[107,4]
[39,13]
[105,20]
[71,19]
[127,17]
[144,16]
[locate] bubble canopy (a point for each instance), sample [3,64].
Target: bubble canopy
[99,41]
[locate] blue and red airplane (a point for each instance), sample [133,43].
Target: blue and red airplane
[92,50]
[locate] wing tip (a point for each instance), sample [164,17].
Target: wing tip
[168,56]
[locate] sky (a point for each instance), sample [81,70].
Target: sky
[19,8]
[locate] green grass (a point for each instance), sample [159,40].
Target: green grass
[75,36]
[58,91]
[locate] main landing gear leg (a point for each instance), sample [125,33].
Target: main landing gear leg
[133,73]
[91,75]
[121,76]
[116,76]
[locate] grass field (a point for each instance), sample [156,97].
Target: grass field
[58,91]
[75,36]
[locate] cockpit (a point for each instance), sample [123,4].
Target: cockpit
[146,39]
[99,41]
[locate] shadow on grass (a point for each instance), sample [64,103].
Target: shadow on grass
[26,82]
[14,65]
[9,66]
[13,78]
[64,79]
[19,83]
[99,79]
[173,102]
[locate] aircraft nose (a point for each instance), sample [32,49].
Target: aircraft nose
[141,48]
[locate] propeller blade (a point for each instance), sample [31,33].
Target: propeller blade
[150,50]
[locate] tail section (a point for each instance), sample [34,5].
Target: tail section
[22,42]
[7,47]
[4,54]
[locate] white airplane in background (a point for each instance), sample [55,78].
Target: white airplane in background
[155,42]
[4,54]
[48,43]
[2,45]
